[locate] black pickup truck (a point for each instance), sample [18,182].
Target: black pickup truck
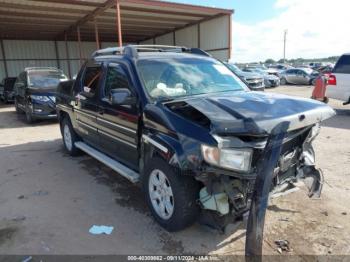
[181,123]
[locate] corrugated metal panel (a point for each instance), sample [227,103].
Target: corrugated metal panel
[87,49]
[167,39]
[108,44]
[213,33]
[17,49]
[221,54]
[61,48]
[75,67]
[2,71]
[147,42]
[187,36]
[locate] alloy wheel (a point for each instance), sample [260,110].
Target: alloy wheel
[161,194]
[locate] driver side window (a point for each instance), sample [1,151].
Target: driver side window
[116,79]
[91,79]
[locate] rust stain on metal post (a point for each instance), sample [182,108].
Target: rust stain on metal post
[230,36]
[119,26]
[97,35]
[79,46]
[4,57]
[67,55]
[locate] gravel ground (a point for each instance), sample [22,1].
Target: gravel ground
[49,200]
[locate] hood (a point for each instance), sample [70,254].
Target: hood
[248,75]
[251,113]
[271,77]
[42,91]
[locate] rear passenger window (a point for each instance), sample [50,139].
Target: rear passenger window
[116,79]
[91,79]
[343,65]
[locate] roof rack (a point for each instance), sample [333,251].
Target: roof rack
[40,68]
[133,50]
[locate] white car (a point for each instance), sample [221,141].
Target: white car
[339,81]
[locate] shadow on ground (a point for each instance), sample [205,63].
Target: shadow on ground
[51,155]
[11,119]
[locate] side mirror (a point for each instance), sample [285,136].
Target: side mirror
[121,96]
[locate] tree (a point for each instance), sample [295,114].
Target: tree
[270,61]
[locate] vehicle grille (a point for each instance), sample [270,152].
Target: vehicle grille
[255,82]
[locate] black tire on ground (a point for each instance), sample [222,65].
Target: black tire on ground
[283,81]
[312,82]
[29,115]
[185,192]
[18,110]
[69,140]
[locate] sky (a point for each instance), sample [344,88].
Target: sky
[316,28]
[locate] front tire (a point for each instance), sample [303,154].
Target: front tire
[29,114]
[18,110]
[171,197]
[69,137]
[283,81]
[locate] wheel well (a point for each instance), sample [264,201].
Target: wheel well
[62,115]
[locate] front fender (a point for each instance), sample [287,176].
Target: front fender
[179,152]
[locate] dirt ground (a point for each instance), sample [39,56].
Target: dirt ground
[49,200]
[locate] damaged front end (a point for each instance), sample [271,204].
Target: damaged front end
[226,196]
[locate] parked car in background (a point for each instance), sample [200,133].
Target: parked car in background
[6,89]
[35,91]
[269,79]
[186,127]
[254,81]
[281,67]
[317,65]
[339,80]
[326,70]
[299,76]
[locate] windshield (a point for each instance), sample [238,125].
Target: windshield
[257,70]
[166,78]
[234,68]
[45,78]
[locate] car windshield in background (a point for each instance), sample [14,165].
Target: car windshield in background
[45,78]
[170,78]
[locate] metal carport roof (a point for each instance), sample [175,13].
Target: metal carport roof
[98,19]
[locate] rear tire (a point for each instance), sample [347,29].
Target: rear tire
[69,137]
[18,110]
[283,81]
[171,197]
[29,114]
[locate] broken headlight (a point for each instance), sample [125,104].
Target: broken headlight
[238,159]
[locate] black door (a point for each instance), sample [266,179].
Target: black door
[117,124]
[86,100]
[20,89]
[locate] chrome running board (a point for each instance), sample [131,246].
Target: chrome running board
[110,162]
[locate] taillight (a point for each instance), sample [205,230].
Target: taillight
[332,80]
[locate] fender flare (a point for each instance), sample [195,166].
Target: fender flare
[162,146]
